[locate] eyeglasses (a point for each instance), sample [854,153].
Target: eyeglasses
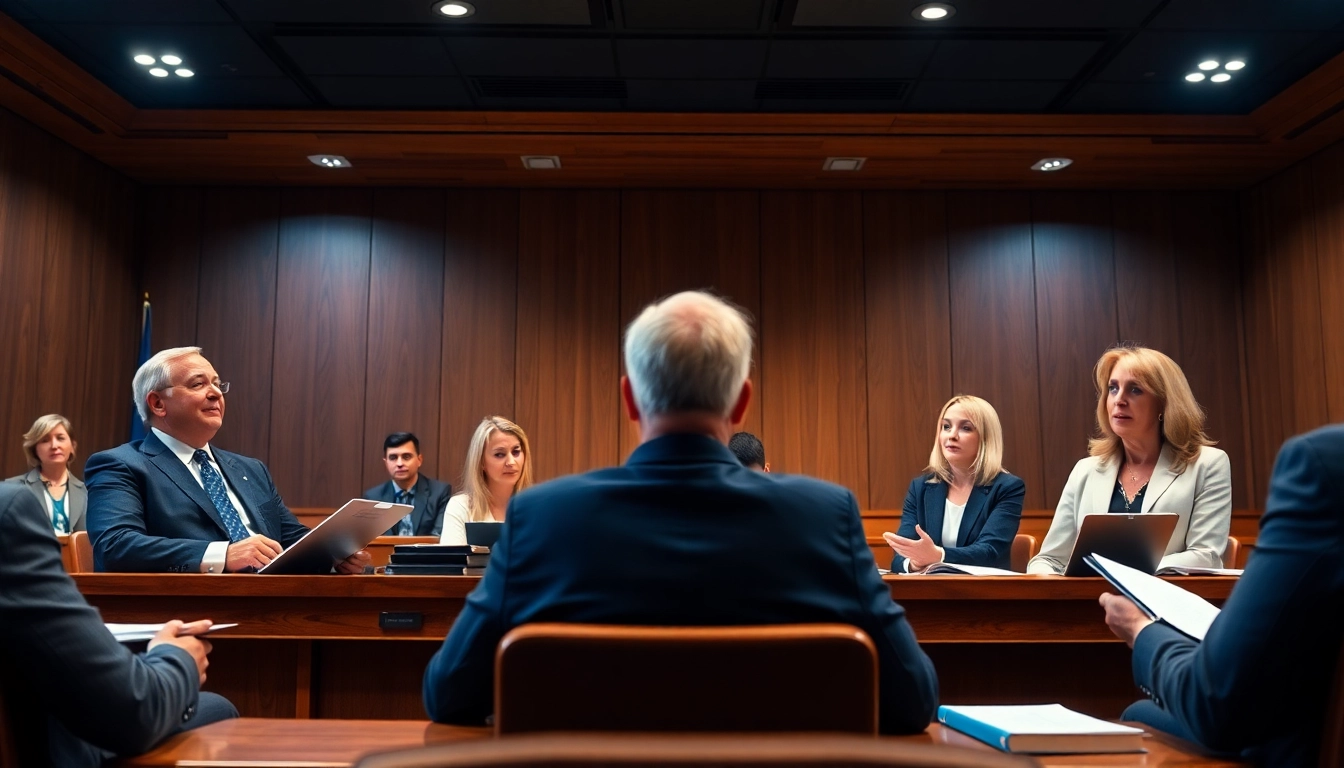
[197,386]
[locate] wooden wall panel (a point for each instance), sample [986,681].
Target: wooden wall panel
[321,330]
[568,359]
[1263,371]
[1328,186]
[405,324]
[909,344]
[675,241]
[1075,322]
[480,309]
[170,237]
[993,322]
[236,312]
[1148,306]
[813,371]
[1208,273]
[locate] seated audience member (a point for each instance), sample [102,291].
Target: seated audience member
[50,448]
[82,696]
[174,503]
[965,508]
[1261,681]
[683,534]
[401,456]
[498,465]
[1152,456]
[749,450]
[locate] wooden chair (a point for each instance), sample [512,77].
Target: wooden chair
[1024,548]
[589,677]
[738,750]
[81,553]
[1232,553]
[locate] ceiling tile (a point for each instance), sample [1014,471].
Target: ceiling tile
[1041,14]
[1306,15]
[734,15]
[716,59]
[223,93]
[848,58]
[537,57]
[394,92]
[1170,55]
[368,56]
[982,96]
[691,95]
[549,104]
[1010,59]
[136,12]
[537,12]
[209,50]
[830,105]
[1160,98]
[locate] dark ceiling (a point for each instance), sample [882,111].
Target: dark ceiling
[997,56]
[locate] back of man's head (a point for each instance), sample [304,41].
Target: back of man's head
[748,449]
[690,352]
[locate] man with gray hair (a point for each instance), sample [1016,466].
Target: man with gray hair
[683,534]
[174,503]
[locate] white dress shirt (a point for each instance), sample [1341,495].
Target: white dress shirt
[216,554]
[952,514]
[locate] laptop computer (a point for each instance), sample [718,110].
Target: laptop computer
[483,534]
[1138,541]
[348,530]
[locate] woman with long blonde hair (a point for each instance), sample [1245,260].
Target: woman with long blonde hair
[498,465]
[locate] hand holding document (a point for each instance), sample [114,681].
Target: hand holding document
[132,633]
[1163,601]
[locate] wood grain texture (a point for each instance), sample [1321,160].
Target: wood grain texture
[813,369]
[1264,368]
[675,241]
[568,363]
[236,314]
[320,344]
[361,678]
[480,315]
[1076,321]
[1328,185]
[908,335]
[993,303]
[405,325]
[1147,303]
[169,234]
[1207,268]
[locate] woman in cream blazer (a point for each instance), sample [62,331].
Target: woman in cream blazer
[1152,456]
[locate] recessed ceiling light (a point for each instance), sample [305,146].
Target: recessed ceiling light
[1234,65]
[843,163]
[933,11]
[329,161]
[541,162]
[183,72]
[1221,77]
[1195,77]
[170,59]
[1207,65]
[455,9]
[1051,164]
[159,72]
[144,58]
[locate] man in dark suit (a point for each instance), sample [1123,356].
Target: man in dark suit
[73,695]
[1260,681]
[174,503]
[402,457]
[683,534]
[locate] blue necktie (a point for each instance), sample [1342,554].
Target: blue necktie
[214,485]
[404,524]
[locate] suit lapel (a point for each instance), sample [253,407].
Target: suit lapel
[975,506]
[1097,495]
[421,504]
[1162,478]
[77,502]
[171,466]
[935,504]
[246,491]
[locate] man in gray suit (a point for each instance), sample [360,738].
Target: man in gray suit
[73,694]
[408,485]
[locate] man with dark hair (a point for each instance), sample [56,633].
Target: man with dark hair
[401,456]
[749,450]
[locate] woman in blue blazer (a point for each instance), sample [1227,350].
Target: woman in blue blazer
[965,508]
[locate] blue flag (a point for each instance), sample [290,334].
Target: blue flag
[138,426]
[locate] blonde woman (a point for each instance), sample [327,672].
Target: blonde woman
[50,447]
[1151,456]
[965,508]
[499,464]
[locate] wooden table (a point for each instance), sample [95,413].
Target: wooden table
[258,743]
[311,646]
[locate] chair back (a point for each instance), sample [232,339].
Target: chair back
[1024,548]
[590,677]
[738,750]
[1232,553]
[1332,728]
[81,553]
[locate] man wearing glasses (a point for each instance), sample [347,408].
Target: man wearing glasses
[172,502]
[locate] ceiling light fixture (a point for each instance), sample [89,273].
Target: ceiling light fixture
[1207,65]
[144,58]
[1221,77]
[1195,77]
[170,59]
[183,72]
[933,12]
[843,163]
[1051,164]
[455,9]
[1234,65]
[541,162]
[330,161]
[159,72]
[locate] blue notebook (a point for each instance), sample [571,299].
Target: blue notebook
[1045,729]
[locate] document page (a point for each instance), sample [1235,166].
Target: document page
[131,633]
[1187,612]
